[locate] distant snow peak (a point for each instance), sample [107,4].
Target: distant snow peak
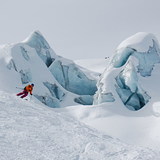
[135,57]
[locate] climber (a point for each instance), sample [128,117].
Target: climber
[27,89]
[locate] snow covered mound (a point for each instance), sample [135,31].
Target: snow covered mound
[30,131]
[141,42]
[135,58]
[144,47]
[58,81]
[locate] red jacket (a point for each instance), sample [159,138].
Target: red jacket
[29,88]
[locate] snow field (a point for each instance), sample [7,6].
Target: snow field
[30,131]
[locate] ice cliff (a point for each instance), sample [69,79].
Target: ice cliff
[58,81]
[134,61]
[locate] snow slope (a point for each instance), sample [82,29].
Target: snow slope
[139,128]
[30,131]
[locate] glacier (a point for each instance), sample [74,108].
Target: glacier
[135,58]
[72,78]
[84,99]
[37,41]
[65,71]
[56,79]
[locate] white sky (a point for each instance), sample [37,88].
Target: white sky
[79,29]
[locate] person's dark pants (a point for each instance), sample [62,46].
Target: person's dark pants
[24,94]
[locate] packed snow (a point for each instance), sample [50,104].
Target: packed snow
[30,131]
[137,128]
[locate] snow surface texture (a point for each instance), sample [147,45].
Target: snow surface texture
[58,81]
[30,131]
[135,58]
[139,128]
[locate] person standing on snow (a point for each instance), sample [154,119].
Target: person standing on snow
[27,89]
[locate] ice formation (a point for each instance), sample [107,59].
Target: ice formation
[84,99]
[72,78]
[38,42]
[134,58]
[56,79]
